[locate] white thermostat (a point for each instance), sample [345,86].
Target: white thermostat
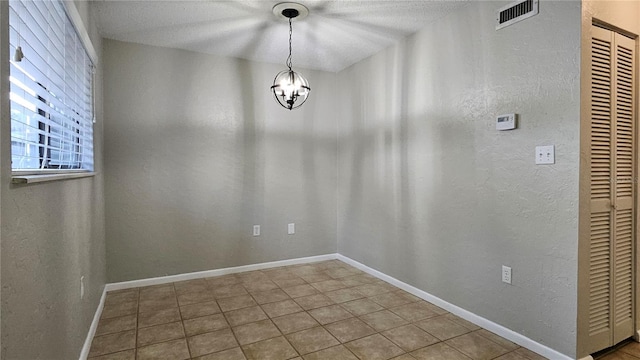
[506,122]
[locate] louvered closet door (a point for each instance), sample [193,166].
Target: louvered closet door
[611,260]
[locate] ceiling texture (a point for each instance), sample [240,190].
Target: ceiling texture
[335,34]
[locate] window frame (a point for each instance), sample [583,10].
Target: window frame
[53,172]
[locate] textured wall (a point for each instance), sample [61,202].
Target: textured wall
[52,233]
[197,151]
[430,193]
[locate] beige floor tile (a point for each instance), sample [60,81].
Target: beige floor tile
[361,307]
[313,301]
[414,311]
[356,280]
[119,297]
[236,302]
[245,316]
[329,314]
[118,324]
[260,286]
[224,280]
[311,340]
[196,285]
[122,355]
[618,355]
[278,273]
[256,276]
[171,350]
[112,343]
[511,356]
[291,282]
[157,317]
[156,291]
[333,353]
[300,290]
[439,351]
[632,348]
[195,297]
[530,355]
[372,289]
[349,283]
[407,295]
[340,272]
[442,328]
[212,342]
[476,346]
[160,333]
[349,329]
[270,296]
[328,285]
[462,322]
[390,299]
[498,339]
[281,308]
[204,324]
[119,309]
[404,357]
[231,354]
[294,322]
[200,309]
[272,349]
[344,295]
[316,277]
[383,320]
[158,303]
[374,347]
[254,332]
[228,291]
[410,337]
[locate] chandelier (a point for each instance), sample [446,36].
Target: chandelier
[290,88]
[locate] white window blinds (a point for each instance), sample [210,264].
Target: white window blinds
[51,90]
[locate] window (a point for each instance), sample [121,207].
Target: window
[51,90]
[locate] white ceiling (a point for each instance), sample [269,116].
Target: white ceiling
[335,35]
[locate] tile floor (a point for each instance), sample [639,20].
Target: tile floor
[327,310]
[628,350]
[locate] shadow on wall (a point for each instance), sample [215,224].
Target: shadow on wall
[405,153]
[214,168]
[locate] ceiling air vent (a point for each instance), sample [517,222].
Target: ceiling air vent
[515,12]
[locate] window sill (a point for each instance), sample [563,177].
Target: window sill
[32,179]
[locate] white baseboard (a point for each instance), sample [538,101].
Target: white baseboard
[92,329]
[217,272]
[469,316]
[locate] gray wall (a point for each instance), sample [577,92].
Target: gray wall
[197,151]
[430,193]
[52,233]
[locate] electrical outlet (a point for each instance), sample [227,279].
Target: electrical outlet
[81,287]
[256,230]
[506,274]
[291,229]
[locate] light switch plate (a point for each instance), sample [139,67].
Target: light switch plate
[291,229]
[545,155]
[256,230]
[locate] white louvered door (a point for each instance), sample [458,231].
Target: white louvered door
[612,209]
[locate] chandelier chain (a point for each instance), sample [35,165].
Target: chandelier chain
[289,61]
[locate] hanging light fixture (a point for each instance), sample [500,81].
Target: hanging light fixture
[290,88]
